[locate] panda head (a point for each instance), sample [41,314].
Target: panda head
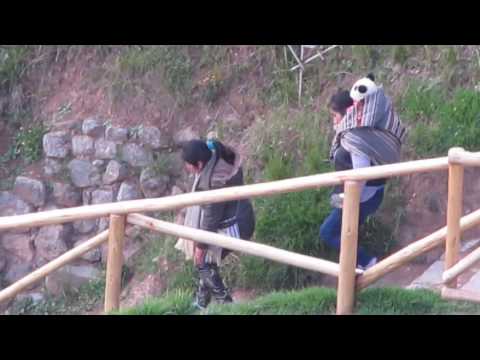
[363,87]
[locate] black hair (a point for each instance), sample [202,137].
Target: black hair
[194,151]
[341,101]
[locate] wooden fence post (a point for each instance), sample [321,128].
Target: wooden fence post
[454,212]
[114,262]
[348,248]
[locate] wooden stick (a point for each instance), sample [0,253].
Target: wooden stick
[461,266]
[413,250]
[247,247]
[459,294]
[300,78]
[226,194]
[53,265]
[319,54]
[114,263]
[454,213]
[348,249]
[296,57]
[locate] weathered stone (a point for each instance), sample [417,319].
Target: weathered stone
[137,155]
[19,245]
[115,171]
[16,271]
[129,191]
[85,226]
[33,297]
[118,135]
[66,195]
[152,137]
[83,173]
[105,149]
[47,207]
[70,277]
[3,260]
[52,167]
[93,127]
[101,196]
[92,256]
[12,205]
[185,135]
[99,164]
[87,196]
[176,191]
[30,190]
[56,144]
[51,242]
[152,184]
[103,224]
[175,164]
[82,145]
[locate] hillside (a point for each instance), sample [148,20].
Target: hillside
[248,96]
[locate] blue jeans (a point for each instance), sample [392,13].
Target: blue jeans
[331,229]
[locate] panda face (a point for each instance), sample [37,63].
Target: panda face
[362,88]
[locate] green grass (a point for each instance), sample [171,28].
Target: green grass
[314,301]
[439,120]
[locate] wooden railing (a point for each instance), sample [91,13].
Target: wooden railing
[458,159]
[350,278]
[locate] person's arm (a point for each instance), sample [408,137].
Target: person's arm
[360,161]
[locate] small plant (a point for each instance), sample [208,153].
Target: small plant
[162,164]
[400,54]
[28,143]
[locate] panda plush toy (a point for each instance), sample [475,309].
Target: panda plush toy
[363,87]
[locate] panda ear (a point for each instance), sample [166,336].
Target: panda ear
[371,77]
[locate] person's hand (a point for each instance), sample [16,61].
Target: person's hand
[199,256]
[336,200]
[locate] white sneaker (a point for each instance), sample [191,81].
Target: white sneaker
[371,263]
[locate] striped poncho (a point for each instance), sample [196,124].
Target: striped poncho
[371,127]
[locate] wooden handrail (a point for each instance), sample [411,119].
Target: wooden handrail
[456,156]
[226,194]
[247,247]
[413,250]
[454,211]
[462,157]
[466,263]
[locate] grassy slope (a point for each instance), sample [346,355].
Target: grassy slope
[313,301]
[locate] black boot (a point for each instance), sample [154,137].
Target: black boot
[211,277]
[202,294]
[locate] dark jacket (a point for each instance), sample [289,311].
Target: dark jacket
[218,174]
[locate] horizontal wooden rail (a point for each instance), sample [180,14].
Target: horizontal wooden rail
[459,294]
[462,157]
[247,247]
[461,266]
[226,194]
[42,272]
[413,250]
